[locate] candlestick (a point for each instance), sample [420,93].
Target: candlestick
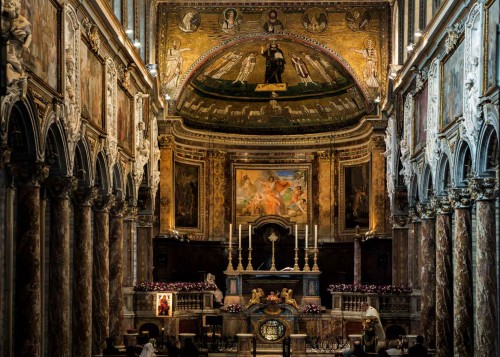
[315,265]
[296,237]
[249,266]
[249,236]
[240,258]
[296,259]
[306,260]
[315,236]
[239,237]
[307,228]
[230,255]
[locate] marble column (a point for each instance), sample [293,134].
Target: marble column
[28,323]
[116,300]
[83,199]
[59,281]
[414,259]
[217,195]
[444,279]
[326,195]
[144,248]
[486,191]
[428,271]
[377,190]
[400,250]
[462,273]
[100,272]
[167,209]
[357,259]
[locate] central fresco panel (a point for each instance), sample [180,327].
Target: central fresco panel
[272,70]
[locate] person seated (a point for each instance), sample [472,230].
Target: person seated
[418,350]
[189,349]
[393,348]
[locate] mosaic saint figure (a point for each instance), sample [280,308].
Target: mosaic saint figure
[247,67]
[370,73]
[173,64]
[275,63]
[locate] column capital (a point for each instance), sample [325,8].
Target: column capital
[103,202]
[61,186]
[85,196]
[5,152]
[29,174]
[400,221]
[145,220]
[166,141]
[443,205]
[427,210]
[484,188]
[118,208]
[217,155]
[413,214]
[460,197]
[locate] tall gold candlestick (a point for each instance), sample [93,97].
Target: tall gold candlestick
[296,265]
[230,259]
[249,266]
[315,266]
[273,238]
[240,265]
[306,260]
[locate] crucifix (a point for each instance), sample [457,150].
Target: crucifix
[273,238]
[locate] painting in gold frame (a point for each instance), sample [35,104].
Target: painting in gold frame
[420,123]
[164,305]
[187,178]
[91,74]
[44,51]
[452,86]
[124,126]
[354,196]
[491,43]
[271,191]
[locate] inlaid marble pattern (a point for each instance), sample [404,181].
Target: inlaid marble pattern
[116,301]
[427,279]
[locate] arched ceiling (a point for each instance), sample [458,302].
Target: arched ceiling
[232,91]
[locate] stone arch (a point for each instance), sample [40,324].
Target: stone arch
[56,151]
[487,156]
[101,179]
[118,187]
[463,163]
[82,169]
[443,176]
[413,191]
[426,183]
[22,136]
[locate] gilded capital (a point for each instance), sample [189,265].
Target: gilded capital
[166,141]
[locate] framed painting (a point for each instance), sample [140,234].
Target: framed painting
[354,196]
[164,305]
[44,53]
[187,178]
[273,191]
[124,127]
[491,38]
[452,86]
[420,123]
[91,74]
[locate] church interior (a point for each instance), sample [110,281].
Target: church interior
[249,177]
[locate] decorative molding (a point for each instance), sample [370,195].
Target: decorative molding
[111,113]
[142,143]
[453,34]
[406,143]
[92,33]
[390,150]
[433,148]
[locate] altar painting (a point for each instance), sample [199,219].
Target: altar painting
[164,305]
[453,83]
[186,195]
[356,196]
[91,84]
[124,119]
[279,192]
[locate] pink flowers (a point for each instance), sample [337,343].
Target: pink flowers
[371,289]
[160,286]
[311,309]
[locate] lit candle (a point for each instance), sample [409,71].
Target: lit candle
[296,238]
[230,233]
[239,237]
[250,236]
[307,229]
[315,236]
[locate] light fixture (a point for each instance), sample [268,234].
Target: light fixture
[167,97]
[152,69]
[137,44]
[393,70]
[377,99]
[129,31]
[410,47]
[418,34]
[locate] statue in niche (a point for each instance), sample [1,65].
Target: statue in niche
[17,31]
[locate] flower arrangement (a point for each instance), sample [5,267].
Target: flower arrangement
[311,309]
[234,308]
[371,289]
[159,286]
